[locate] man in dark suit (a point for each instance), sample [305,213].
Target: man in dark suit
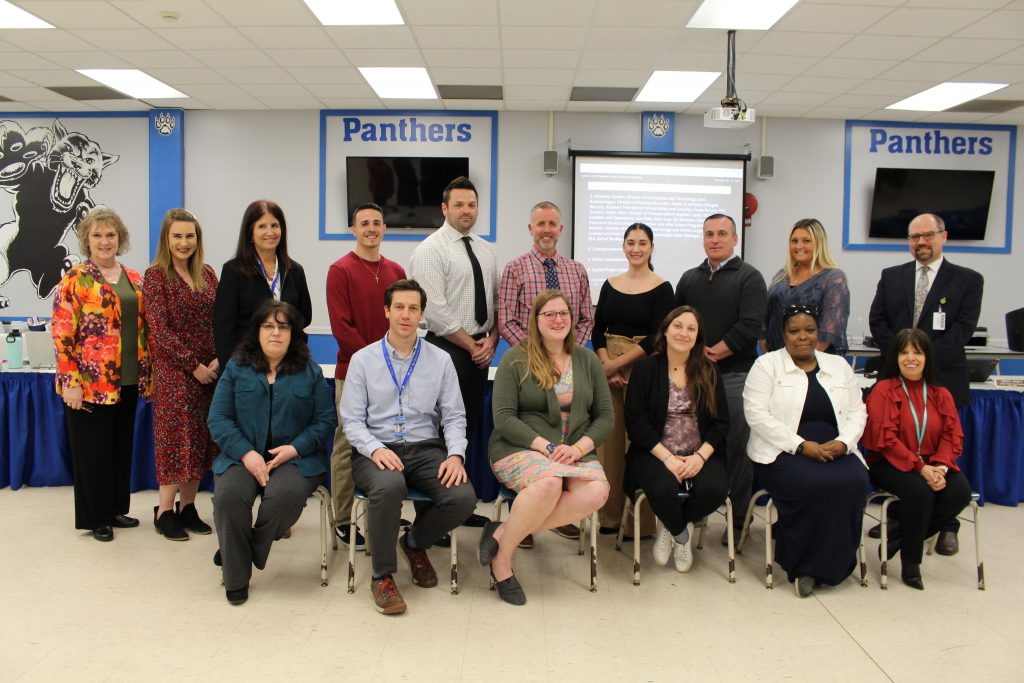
[938,297]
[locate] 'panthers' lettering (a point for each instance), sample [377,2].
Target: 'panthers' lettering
[405,130]
[932,142]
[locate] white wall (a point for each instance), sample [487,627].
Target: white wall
[232,158]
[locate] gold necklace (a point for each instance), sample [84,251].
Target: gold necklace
[376,276]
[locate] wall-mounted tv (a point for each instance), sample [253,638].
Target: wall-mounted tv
[409,189]
[960,197]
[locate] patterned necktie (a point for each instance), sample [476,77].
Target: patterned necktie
[920,294]
[550,274]
[479,294]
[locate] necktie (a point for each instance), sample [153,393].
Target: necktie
[550,274]
[479,295]
[920,294]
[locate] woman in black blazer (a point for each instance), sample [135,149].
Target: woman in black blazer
[260,270]
[677,418]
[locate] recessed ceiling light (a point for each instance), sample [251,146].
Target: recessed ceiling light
[676,86]
[356,12]
[401,83]
[12,16]
[946,95]
[755,15]
[133,82]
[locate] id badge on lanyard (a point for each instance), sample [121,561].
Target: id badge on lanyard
[399,421]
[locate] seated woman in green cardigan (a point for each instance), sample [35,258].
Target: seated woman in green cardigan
[272,411]
[552,409]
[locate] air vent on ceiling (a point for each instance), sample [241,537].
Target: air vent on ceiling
[592,94]
[88,92]
[471,92]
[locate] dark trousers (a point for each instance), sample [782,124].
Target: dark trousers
[707,491]
[244,545]
[101,438]
[472,381]
[738,467]
[386,489]
[922,512]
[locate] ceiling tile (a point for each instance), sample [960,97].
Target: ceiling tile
[288,37]
[1007,24]
[646,13]
[917,21]
[596,59]
[311,75]
[89,60]
[707,40]
[124,39]
[596,106]
[47,40]
[823,85]
[47,77]
[23,60]
[67,14]
[896,89]
[830,19]
[482,76]
[1011,57]
[798,44]
[976,4]
[121,105]
[292,102]
[191,13]
[530,59]
[312,58]
[183,77]
[692,61]
[233,58]
[25,106]
[384,57]
[992,73]
[389,37]
[358,90]
[876,101]
[883,47]
[535,105]
[474,105]
[850,68]
[449,12]
[527,12]
[343,102]
[456,36]
[257,75]
[9,80]
[265,90]
[770,64]
[462,58]
[221,38]
[540,37]
[615,78]
[65,106]
[800,98]
[829,112]
[171,59]
[277,13]
[937,72]
[626,39]
[538,77]
[967,50]
[34,93]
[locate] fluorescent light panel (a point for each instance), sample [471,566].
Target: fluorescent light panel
[755,15]
[356,12]
[676,86]
[12,16]
[133,82]
[399,83]
[946,95]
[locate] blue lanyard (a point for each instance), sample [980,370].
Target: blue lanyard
[277,276]
[408,373]
[918,425]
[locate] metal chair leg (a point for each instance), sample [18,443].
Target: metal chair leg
[357,507]
[593,551]
[977,545]
[768,545]
[729,538]
[640,498]
[455,564]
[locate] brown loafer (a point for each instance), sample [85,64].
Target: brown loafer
[386,598]
[423,574]
[570,531]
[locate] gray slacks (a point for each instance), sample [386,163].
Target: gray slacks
[242,544]
[737,465]
[386,489]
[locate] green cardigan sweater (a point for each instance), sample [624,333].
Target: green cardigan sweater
[522,410]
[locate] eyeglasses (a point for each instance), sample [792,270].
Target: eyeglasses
[279,327]
[551,315]
[923,236]
[797,309]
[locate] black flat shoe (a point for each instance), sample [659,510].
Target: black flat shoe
[216,559]
[188,518]
[510,590]
[475,520]
[124,522]
[891,548]
[488,547]
[167,525]
[239,596]
[444,542]
[103,533]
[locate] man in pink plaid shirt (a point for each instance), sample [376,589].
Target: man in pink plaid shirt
[543,268]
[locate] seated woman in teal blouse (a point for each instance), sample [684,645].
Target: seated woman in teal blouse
[552,410]
[271,416]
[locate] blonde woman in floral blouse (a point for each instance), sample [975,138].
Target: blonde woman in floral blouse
[103,365]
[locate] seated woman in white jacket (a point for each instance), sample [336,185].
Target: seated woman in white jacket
[806,416]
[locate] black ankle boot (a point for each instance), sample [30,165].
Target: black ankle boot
[911,575]
[167,525]
[188,517]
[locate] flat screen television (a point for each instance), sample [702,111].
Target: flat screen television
[961,198]
[409,189]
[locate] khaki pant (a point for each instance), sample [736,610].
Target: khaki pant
[342,486]
[612,453]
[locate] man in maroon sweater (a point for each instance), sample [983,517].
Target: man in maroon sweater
[355,303]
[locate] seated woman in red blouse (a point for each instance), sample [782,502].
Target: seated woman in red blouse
[913,438]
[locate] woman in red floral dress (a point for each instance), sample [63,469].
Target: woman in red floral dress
[179,290]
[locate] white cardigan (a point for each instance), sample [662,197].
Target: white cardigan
[773,400]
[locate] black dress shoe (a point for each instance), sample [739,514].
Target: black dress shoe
[124,522]
[488,547]
[444,542]
[911,575]
[475,520]
[893,529]
[239,596]
[891,548]
[103,533]
[948,544]
[510,590]
[216,559]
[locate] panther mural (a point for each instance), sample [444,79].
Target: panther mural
[50,172]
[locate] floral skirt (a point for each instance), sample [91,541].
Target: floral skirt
[519,470]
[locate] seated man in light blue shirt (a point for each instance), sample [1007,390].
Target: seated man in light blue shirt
[403,414]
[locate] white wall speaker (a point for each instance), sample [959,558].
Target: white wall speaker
[550,162]
[765,167]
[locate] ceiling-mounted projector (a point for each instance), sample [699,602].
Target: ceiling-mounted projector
[734,112]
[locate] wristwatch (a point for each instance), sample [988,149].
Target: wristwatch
[550,447]
[799,449]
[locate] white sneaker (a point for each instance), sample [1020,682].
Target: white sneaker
[683,553]
[662,545]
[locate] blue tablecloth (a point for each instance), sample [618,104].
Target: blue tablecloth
[34,441]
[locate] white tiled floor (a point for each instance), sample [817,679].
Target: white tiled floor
[145,609]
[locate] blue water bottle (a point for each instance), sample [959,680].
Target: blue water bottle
[15,350]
